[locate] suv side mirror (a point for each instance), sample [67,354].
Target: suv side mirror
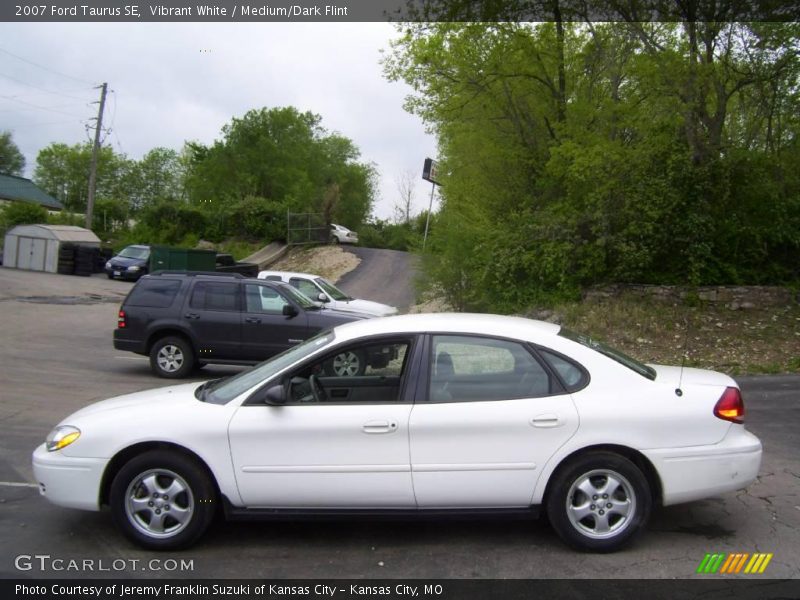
[275,396]
[289,310]
[323,298]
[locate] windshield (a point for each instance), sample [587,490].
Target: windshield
[225,390]
[135,252]
[331,289]
[612,353]
[299,297]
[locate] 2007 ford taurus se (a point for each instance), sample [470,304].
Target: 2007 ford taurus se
[476,414]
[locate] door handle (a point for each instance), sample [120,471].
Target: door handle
[546,421]
[191,315]
[252,320]
[379,427]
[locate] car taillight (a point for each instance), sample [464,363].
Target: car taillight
[121,320]
[730,406]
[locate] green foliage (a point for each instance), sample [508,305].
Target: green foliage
[22,213]
[287,157]
[12,162]
[380,233]
[615,152]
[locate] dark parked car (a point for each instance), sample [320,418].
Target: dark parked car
[131,263]
[182,319]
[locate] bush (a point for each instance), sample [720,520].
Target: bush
[22,213]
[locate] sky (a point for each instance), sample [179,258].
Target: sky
[173,82]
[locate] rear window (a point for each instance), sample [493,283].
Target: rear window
[154,293]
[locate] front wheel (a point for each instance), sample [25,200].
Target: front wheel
[171,357]
[599,502]
[162,500]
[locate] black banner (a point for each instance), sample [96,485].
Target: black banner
[396,10]
[445,589]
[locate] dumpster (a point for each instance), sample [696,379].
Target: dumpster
[166,258]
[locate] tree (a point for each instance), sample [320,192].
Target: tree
[628,151]
[405,203]
[12,162]
[284,156]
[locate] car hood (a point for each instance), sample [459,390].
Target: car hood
[121,261]
[366,306]
[168,396]
[688,376]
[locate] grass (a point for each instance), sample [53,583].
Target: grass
[756,340]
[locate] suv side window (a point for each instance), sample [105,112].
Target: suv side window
[472,369]
[154,293]
[305,286]
[263,299]
[212,295]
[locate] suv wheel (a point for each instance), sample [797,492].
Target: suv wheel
[172,357]
[599,502]
[347,364]
[162,500]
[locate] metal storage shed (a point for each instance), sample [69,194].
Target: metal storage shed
[35,247]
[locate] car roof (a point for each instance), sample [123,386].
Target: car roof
[288,274]
[479,324]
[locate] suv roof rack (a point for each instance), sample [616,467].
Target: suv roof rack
[203,273]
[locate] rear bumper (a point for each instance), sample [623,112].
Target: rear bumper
[68,481]
[698,472]
[128,345]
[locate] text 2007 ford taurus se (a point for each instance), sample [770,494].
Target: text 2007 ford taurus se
[469,413]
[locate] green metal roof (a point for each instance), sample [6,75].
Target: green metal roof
[24,190]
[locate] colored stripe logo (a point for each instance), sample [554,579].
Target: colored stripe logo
[734,563]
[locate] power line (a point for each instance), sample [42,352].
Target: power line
[30,62]
[36,87]
[41,107]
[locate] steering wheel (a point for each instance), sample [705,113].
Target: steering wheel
[316,389]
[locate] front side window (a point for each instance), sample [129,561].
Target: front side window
[263,299]
[469,369]
[369,372]
[305,286]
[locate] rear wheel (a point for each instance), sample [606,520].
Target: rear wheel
[162,500]
[172,357]
[599,502]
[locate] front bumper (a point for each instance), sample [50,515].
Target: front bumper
[68,481]
[698,472]
[123,273]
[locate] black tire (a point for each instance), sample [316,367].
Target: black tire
[350,363]
[581,518]
[183,516]
[110,275]
[172,357]
[334,240]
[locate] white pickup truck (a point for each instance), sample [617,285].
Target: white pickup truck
[320,289]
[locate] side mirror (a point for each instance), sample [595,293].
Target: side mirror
[323,298]
[275,396]
[289,310]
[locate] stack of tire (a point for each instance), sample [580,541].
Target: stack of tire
[66,259]
[103,256]
[85,259]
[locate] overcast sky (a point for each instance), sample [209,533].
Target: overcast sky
[178,82]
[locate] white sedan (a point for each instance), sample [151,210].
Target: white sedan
[476,414]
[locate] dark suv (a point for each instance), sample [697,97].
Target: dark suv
[181,319]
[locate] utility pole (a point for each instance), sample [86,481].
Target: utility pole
[95,152]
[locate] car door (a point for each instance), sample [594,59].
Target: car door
[266,331]
[347,448]
[212,315]
[488,418]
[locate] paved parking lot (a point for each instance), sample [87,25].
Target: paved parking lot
[56,356]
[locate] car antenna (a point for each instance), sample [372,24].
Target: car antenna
[678,390]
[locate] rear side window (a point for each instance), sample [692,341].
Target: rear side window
[572,375]
[215,296]
[154,293]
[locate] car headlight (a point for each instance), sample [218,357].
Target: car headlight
[134,268]
[108,264]
[61,437]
